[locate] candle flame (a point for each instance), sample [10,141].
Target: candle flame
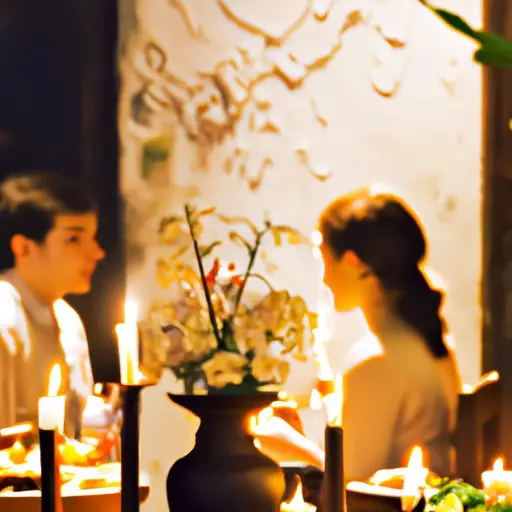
[131,311]
[499,464]
[298,499]
[297,503]
[55,380]
[333,403]
[414,481]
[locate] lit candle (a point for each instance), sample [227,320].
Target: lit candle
[52,408]
[131,378]
[51,420]
[414,481]
[498,480]
[297,503]
[128,342]
[334,499]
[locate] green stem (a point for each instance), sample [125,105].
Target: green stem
[252,260]
[211,311]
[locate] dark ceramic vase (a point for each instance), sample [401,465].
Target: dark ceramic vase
[224,471]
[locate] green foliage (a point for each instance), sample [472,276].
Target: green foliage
[494,51]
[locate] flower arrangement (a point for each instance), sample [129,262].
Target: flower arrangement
[217,341]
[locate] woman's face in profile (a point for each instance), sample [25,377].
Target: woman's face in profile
[342,275]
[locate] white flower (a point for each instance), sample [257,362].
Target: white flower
[224,368]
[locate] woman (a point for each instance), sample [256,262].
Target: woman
[401,382]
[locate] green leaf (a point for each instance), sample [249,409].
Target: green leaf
[239,240]
[155,151]
[228,337]
[205,250]
[494,50]
[493,59]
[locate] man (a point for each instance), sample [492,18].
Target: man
[48,228]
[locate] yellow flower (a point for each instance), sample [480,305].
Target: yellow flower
[268,368]
[224,368]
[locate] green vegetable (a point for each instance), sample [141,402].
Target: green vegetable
[470,497]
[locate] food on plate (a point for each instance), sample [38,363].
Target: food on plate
[394,478]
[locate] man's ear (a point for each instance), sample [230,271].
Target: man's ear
[21,246]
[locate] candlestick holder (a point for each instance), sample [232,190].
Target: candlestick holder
[51,500]
[130,447]
[334,499]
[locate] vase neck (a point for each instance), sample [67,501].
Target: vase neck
[224,429]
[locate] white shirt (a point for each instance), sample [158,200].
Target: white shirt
[397,395]
[34,336]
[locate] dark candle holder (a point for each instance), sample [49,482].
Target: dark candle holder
[334,499]
[130,447]
[51,500]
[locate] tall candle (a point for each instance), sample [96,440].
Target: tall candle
[334,499]
[128,343]
[51,420]
[52,408]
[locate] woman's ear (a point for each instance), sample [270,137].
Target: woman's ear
[352,259]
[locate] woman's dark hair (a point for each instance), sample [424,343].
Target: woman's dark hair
[29,203]
[388,238]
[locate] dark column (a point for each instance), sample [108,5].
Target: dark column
[497,278]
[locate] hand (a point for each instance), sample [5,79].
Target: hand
[278,440]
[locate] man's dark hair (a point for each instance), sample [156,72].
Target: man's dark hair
[29,203]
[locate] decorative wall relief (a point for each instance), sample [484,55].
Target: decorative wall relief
[212,105]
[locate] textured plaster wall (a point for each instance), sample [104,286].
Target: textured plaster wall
[280,106]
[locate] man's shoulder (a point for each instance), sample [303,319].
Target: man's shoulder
[10,303]
[67,317]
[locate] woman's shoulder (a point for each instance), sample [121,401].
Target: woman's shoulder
[363,350]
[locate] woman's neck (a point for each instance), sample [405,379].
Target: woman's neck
[379,316]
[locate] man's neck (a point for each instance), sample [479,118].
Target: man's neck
[37,285]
